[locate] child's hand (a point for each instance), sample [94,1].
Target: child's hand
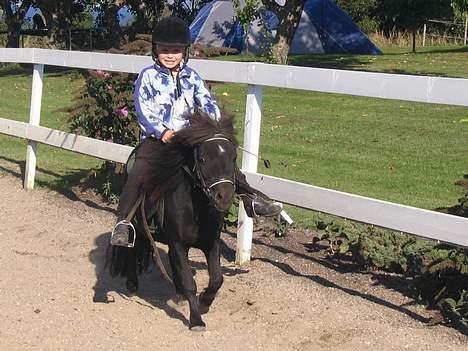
[167,136]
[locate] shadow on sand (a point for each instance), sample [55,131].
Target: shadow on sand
[154,290]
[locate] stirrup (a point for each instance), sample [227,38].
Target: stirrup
[130,243]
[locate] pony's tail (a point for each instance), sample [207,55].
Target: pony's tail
[119,259]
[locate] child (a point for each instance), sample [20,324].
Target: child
[166,95]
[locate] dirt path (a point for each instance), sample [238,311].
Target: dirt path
[53,249]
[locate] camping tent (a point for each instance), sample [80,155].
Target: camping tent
[323,28]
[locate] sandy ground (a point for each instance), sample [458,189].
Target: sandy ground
[289,298]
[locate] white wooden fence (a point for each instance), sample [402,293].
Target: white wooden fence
[424,223]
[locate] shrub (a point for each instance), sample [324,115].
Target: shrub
[104,110]
[440,271]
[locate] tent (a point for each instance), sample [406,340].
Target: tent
[323,28]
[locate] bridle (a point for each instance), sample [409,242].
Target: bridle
[200,178]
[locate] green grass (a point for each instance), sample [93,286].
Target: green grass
[444,61]
[410,153]
[56,168]
[398,151]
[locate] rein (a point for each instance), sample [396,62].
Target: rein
[156,254]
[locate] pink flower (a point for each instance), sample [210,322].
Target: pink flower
[102,74]
[121,112]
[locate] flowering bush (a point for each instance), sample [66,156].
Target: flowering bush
[104,110]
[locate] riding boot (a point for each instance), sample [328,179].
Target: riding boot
[255,202]
[124,233]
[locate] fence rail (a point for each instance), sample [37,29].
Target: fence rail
[424,223]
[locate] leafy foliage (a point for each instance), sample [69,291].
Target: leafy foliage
[104,110]
[460,9]
[440,271]
[186,10]
[362,12]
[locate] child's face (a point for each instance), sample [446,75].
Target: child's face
[170,56]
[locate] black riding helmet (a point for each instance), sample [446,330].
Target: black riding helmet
[171,31]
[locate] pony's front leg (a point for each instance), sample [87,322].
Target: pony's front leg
[216,277]
[185,284]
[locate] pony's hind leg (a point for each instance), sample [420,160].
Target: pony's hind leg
[185,284]
[216,277]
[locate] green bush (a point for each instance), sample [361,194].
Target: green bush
[440,271]
[104,110]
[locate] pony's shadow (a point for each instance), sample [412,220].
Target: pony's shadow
[154,290]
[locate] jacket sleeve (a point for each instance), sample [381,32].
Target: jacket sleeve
[204,99]
[149,117]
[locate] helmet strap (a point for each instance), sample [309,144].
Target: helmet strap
[186,55]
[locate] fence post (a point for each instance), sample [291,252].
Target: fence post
[34,119]
[69,39]
[424,35]
[466,30]
[252,123]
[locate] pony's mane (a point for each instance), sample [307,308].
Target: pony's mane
[203,127]
[165,161]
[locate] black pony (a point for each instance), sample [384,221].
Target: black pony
[189,187]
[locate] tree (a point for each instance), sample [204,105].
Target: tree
[362,12]
[187,10]
[108,17]
[289,16]
[147,14]
[250,12]
[410,14]
[14,16]
[60,16]
[460,9]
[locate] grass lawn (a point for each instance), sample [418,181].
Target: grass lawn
[56,168]
[410,153]
[442,61]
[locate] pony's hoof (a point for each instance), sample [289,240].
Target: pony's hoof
[198,328]
[131,288]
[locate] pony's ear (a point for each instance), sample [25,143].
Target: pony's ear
[226,123]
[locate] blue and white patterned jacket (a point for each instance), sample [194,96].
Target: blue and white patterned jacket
[158,105]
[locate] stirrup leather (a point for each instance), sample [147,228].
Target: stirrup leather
[131,243]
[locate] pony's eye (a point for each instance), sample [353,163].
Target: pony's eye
[202,160]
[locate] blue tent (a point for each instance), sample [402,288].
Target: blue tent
[323,28]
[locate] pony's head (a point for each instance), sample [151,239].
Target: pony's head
[214,157]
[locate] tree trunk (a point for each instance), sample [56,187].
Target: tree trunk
[414,40]
[280,50]
[13,35]
[113,26]
[53,13]
[14,22]
[289,16]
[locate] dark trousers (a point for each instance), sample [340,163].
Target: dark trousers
[133,186]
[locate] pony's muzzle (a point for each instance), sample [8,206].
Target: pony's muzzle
[222,196]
